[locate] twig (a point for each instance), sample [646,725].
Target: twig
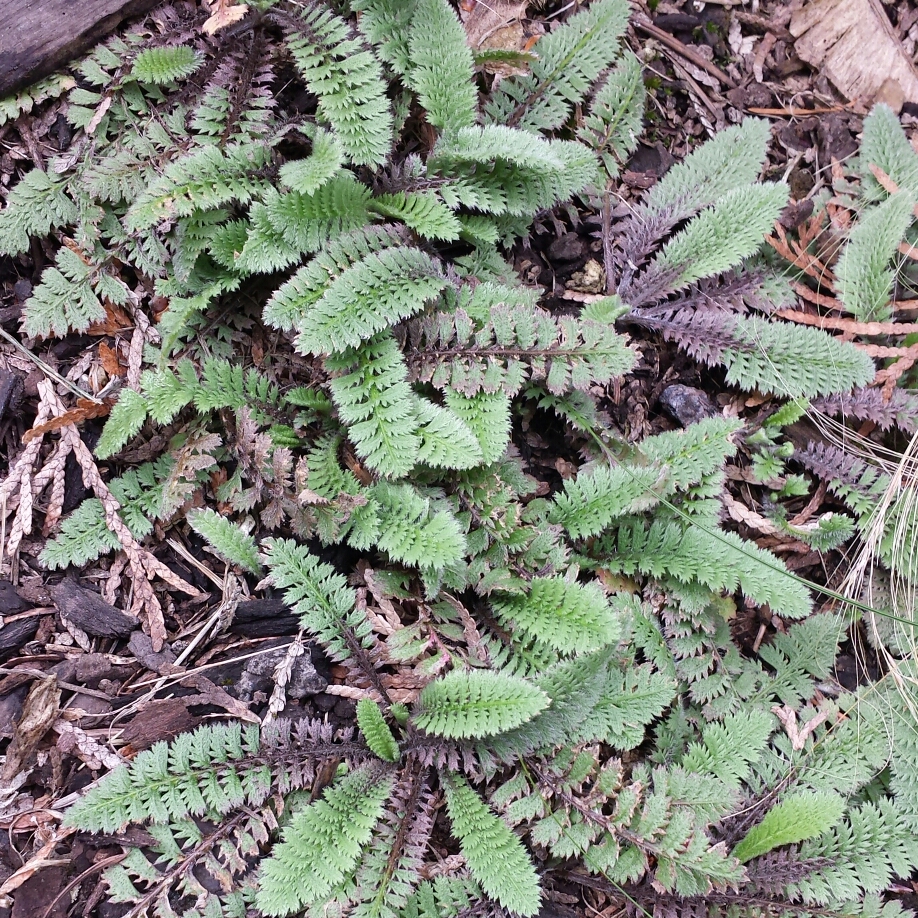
[48,371]
[684,51]
[795,112]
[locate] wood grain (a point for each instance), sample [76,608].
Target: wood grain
[854,45]
[38,37]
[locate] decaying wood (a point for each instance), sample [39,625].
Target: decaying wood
[853,43]
[38,38]
[15,634]
[89,611]
[264,618]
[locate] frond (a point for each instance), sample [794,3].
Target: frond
[728,750]
[391,869]
[720,561]
[777,358]
[791,361]
[237,102]
[441,71]
[873,843]
[376,731]
[477,703]
[320,596]
[590,502]
[732,159]
[496,858]
[414,529]
[347,78]
[860,484]
[83,537]
[326,477]
[724,235]
[374,400]
[613,123]
[227,539]
[630,701]
[323,843]
[799,816]
[65,299]
[51,87]
[387,24]
[423,212]
[500,170]
[864,273]
[446,441]
[369,297]
[569,61]
[160,66]
[201,180]
[885,146]
[196,775]
[514,343]
[487,415]
[293,299]
[900,409]
[567,616]
[35,206]
[686,457]
[307,220]
[442,897]
[125,420]
[307,176]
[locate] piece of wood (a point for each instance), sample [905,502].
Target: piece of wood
[853,43]
[37,38]
[264,618]
[89,611]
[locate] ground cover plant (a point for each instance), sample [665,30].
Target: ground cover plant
[547,689]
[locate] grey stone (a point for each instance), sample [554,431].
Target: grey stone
[686,404]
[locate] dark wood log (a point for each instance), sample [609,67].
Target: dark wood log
[264,618]
[15,634]
[37,38]
[89,611]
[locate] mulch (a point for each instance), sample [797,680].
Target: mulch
[76,671]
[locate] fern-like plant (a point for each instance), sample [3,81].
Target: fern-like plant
[514,654]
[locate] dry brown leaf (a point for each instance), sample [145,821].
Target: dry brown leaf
[742,514]
[84,410]
[116,320]
[39,712]
[99,114]
[223,13]
[108,357]
[797,735]
[44,857]
[853,43]
[497,25]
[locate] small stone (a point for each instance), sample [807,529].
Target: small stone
[22,290]
[566,248]
[592,279]
[687,404]
[258,675]
[324,702]
[345,708]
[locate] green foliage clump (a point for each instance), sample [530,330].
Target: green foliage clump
[553,668]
